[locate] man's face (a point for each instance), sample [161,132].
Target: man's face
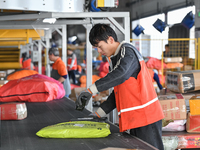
[51,57]
[166,48]
[105,48]
[69,52]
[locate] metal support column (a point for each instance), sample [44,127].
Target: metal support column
[127,28]
[39,56]
[197,33]
[88,63]
[31,49]
[64,44]
[46,54]
[112,114]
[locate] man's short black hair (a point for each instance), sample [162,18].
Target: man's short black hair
[101,32]
[70,49]
[54,51]
[167,45]
[24,55]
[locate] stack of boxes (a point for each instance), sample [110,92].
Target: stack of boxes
[187,83]
[183,102]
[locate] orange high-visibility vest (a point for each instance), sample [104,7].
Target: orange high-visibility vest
[138,106]
[74,66]
[26,64]
[151,72]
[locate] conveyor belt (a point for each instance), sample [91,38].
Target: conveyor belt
[21,135]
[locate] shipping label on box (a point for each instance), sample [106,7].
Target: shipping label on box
[173,106]
[194,102]
[183,81]
[193,123]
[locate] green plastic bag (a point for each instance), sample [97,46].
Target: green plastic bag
[76,129]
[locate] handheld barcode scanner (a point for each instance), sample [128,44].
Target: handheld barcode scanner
[83,101]
[95,119]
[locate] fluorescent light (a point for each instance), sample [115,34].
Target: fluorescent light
[50,20]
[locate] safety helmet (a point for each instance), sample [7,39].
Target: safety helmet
[54,51]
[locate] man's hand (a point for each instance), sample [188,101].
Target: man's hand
[83,100]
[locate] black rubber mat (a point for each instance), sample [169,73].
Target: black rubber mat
[21,135]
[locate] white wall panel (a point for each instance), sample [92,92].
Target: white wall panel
[44,5]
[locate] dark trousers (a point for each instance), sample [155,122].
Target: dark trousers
[151,134]
[156,78]
[72,75]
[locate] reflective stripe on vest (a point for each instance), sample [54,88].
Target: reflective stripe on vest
[138,107]
[74,66]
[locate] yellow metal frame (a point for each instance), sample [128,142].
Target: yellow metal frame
[9,58]
[197,61]
[196,50]
[19,35]
[15,37]
[100,3]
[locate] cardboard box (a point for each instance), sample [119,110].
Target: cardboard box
[2,74]
[75,92]
[97,98]
[104,93]
[173,106]
[193,123]
[194,102]
[187,67]
[183,81]
[2,82]
[172,59]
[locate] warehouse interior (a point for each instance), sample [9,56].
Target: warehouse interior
[30,29]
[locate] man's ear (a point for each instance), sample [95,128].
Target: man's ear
[111,40]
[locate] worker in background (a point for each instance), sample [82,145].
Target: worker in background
[26,62]
[134,95]
[103,67]
[72,65]
[59,70]
[155,77]
[167,52]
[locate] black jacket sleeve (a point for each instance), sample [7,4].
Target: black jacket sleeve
[126,66]
[109,104]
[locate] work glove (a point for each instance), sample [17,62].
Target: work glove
[95,115]
[83,99]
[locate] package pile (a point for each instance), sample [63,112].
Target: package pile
[181,107]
